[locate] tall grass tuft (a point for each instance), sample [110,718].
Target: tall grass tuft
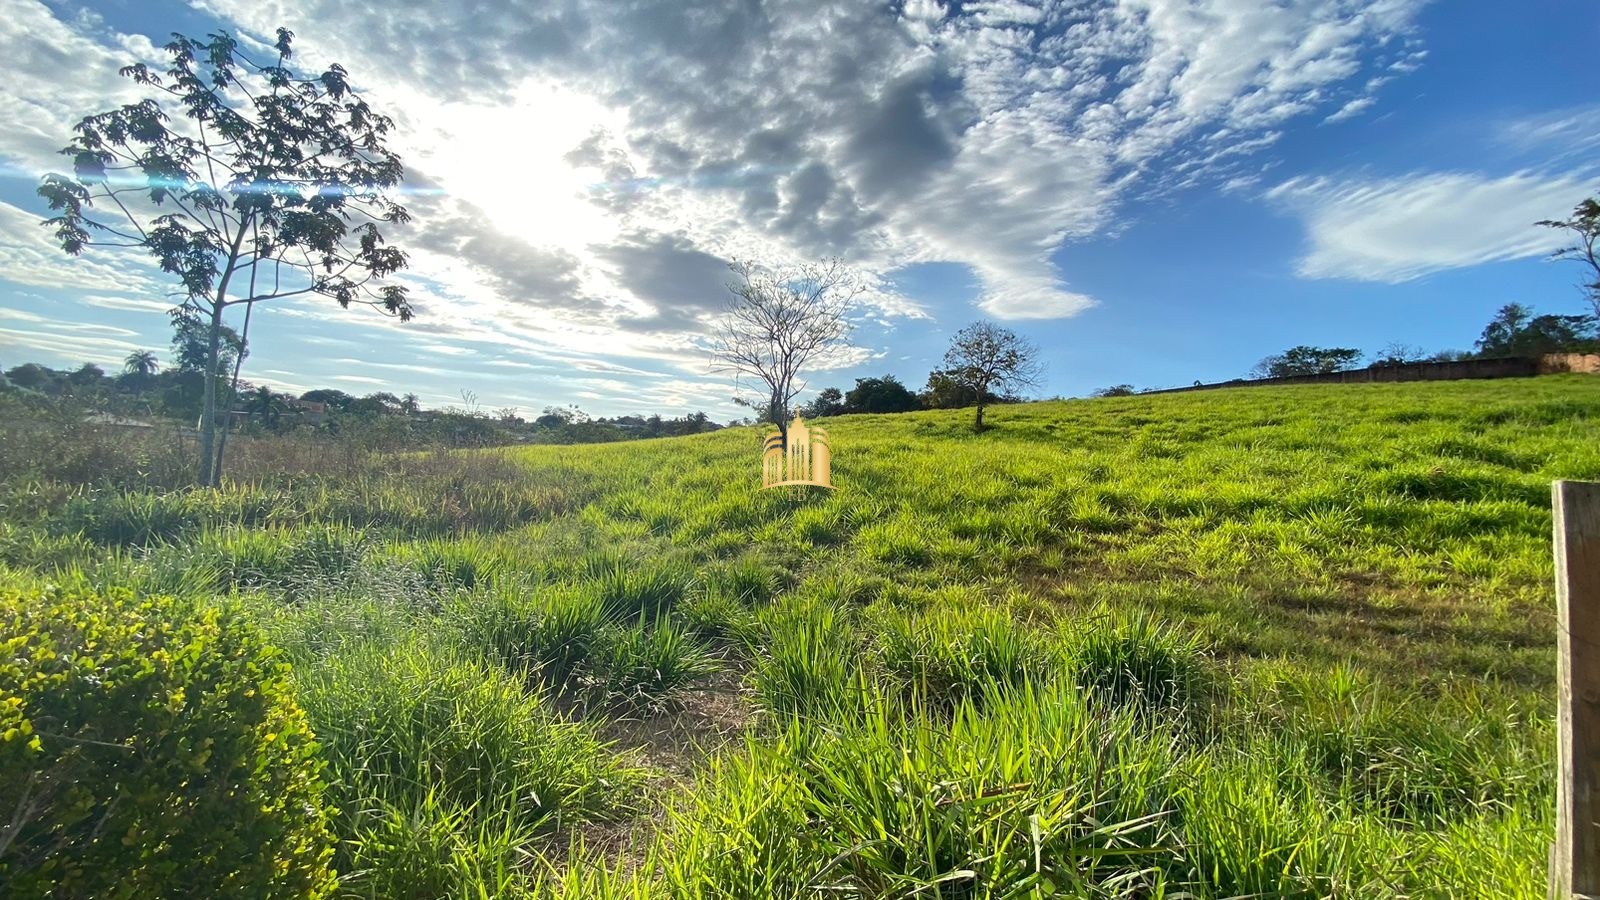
[546,634]
[418,740]
[947,656]
[807,662]
[1138,662]
[629,589]
[648,667]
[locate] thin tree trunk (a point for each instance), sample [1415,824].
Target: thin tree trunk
[978,424]
[233,387]
[208,412]
[780,419]
[208,406]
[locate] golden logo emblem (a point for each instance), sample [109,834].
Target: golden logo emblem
[804,461]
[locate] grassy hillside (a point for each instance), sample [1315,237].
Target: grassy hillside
[1285,641]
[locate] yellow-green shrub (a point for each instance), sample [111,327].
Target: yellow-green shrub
[151,748]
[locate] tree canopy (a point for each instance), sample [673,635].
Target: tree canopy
[269,184]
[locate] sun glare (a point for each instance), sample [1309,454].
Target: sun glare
[511,162]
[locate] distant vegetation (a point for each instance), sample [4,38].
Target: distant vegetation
[1514,331]
[1271,642]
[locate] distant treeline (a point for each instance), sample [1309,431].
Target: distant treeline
[1515,331]
[144,394]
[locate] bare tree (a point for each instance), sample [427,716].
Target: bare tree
[991,361]
[780,323]
[1585,227]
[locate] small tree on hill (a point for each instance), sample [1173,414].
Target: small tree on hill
[1397,354]
[1584,224]
[1304,360]
[782,322]
[270,186]
[1117,390]
[989,360]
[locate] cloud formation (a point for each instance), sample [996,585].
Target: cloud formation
[984,135]
[584,169]
[1397,229]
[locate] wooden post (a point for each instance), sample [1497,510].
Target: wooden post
[1575,858]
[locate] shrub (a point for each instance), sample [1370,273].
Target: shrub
[150,748]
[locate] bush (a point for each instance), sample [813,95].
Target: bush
[152,749]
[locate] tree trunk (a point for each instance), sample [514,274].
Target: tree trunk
[977,424]
[233,386]
[208,410]
[208,406]
[779,418]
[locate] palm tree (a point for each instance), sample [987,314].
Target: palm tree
[264,404]
[140,362]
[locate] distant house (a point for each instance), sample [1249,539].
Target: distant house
[109,420]
[306,412]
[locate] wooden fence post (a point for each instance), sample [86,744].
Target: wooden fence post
[1575,858]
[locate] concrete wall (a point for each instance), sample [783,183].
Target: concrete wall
[1506,367]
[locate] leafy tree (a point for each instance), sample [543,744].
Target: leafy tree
[1116,390]
[1516,331]
[782,322]
[1398,354]
[828,402]
[1584,223]
[87,375]
[141,362]
[987,360]
[1305,360]
[191,345]
[265,407]
[333,398]
[557,416]
[947,391]
[879,395]
[274,187]
[410,404]
[32,376]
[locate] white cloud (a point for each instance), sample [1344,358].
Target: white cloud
[1397,229]
[29,255]
[1350,110]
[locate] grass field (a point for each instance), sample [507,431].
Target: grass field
[1275,642]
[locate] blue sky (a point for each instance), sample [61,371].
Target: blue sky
[1154,191]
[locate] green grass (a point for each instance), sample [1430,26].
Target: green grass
[1284,641]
